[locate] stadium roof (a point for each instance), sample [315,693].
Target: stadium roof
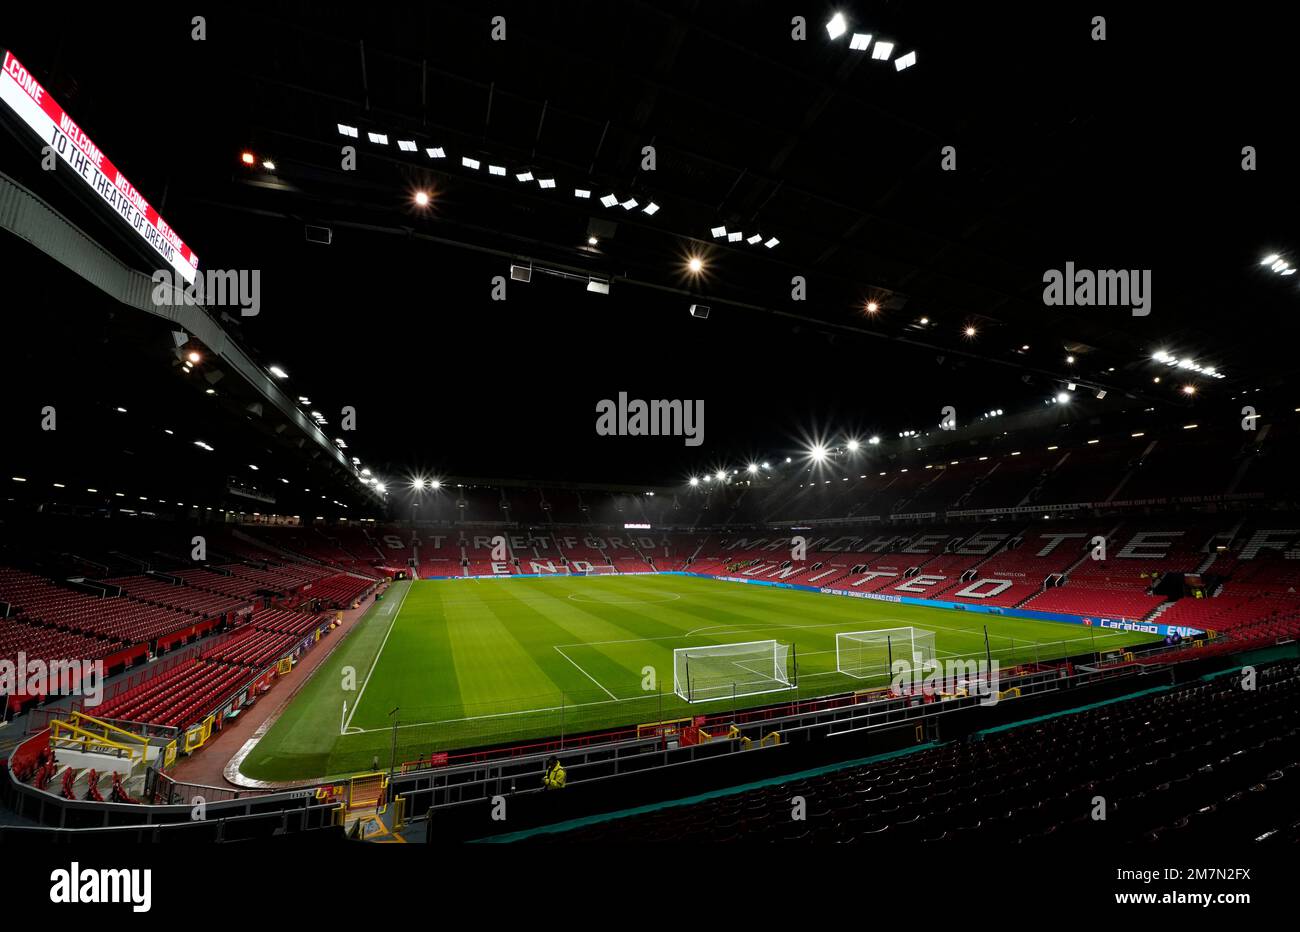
[835,154]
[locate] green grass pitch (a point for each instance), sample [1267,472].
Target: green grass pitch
[473,662]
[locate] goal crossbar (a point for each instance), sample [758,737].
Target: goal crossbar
[872,654]
[722,671]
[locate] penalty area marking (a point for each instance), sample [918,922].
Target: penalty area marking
[672,597]
[586,674]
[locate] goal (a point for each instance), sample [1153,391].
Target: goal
[724,671]
[871,655]
[594,571]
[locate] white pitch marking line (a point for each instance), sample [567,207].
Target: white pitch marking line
[587,675]
[378,653]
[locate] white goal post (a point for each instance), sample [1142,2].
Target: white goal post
[725,671]
[592,570]
[870,655]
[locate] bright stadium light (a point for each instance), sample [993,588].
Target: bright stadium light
[406,145]
[651,209]
[853,445]
[753,468]
[609,200]
[421,198]
[721,475]
[435,484]
[859,41]
[470,162]
[436,152]
[837,26]
[277,372]
[882,51]
[498,170]
[718,232]
[417,484]
[694,481]
[1062,398]
[525,175]
[582,192]
[874,441]
[345,130]
[380,139]
[546,183]
[695,264]
[818,453]
[905,61]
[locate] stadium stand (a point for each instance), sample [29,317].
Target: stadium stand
[1227,779]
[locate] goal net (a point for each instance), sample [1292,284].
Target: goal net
[870,655]
[588,570]
[723,671]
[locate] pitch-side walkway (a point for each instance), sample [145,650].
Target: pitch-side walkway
[208,767]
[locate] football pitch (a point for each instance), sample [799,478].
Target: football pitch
[441,665]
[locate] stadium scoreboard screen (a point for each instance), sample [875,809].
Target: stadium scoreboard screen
[32,104]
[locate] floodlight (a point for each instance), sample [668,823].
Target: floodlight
[498,170]
[435,484]
[546,183]
[609,200]
[422,198]
[346,130]
[694,481]
[277,372]
[818,453]
[904,61]
[860,41]
[882,51]
[406,145]
[754,239]
[651,209]
[436,152]
[853,445]
[734,237]
[837,26]
[598,286]
[718,231]
[268,165]
[378,138]
[1269,260]
[1062,398]
[582,192]
[469,162]
[247,158]
[722,474]
[629,204]
[772,242]
[753,467]
[525,175]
